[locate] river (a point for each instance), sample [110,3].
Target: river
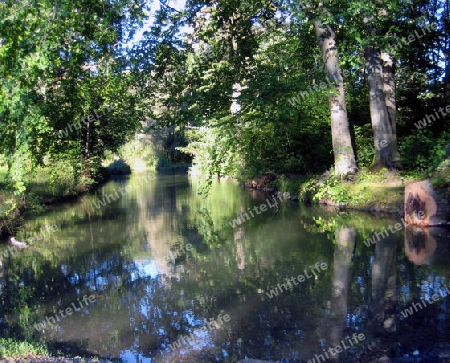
[157,272]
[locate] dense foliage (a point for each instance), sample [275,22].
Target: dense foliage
[248,83]
[242,87]
[65,93]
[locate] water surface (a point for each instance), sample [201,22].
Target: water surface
[161,261]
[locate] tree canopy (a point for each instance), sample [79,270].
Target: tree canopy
[251,87]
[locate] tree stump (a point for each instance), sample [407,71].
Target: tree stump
[425,206]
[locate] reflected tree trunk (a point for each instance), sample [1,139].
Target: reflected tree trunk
[382,309]
[339,290]
[240,251]
[2,271]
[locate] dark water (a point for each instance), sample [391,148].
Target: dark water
[158,261]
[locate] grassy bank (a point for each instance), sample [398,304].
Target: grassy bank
[373,192]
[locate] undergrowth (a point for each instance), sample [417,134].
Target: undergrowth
[12,348]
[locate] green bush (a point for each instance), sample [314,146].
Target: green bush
[12,348]
[442,177]
[422,151]
[291,185]
[313,190]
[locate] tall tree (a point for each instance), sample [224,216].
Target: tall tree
[389,89]
[323,19]
[381,77]
[344,157]
[382,128]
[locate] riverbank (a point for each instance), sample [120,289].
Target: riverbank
[58,184]
[30,358]
[45,188]
[33,352]
[381,192]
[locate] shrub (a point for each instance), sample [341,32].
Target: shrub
[12,348]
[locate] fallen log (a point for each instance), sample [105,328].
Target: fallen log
[426,206]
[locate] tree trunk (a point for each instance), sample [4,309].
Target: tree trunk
[425,206]
[344,157]
[447,79]
[385,145]
[391,105]
[381,75]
